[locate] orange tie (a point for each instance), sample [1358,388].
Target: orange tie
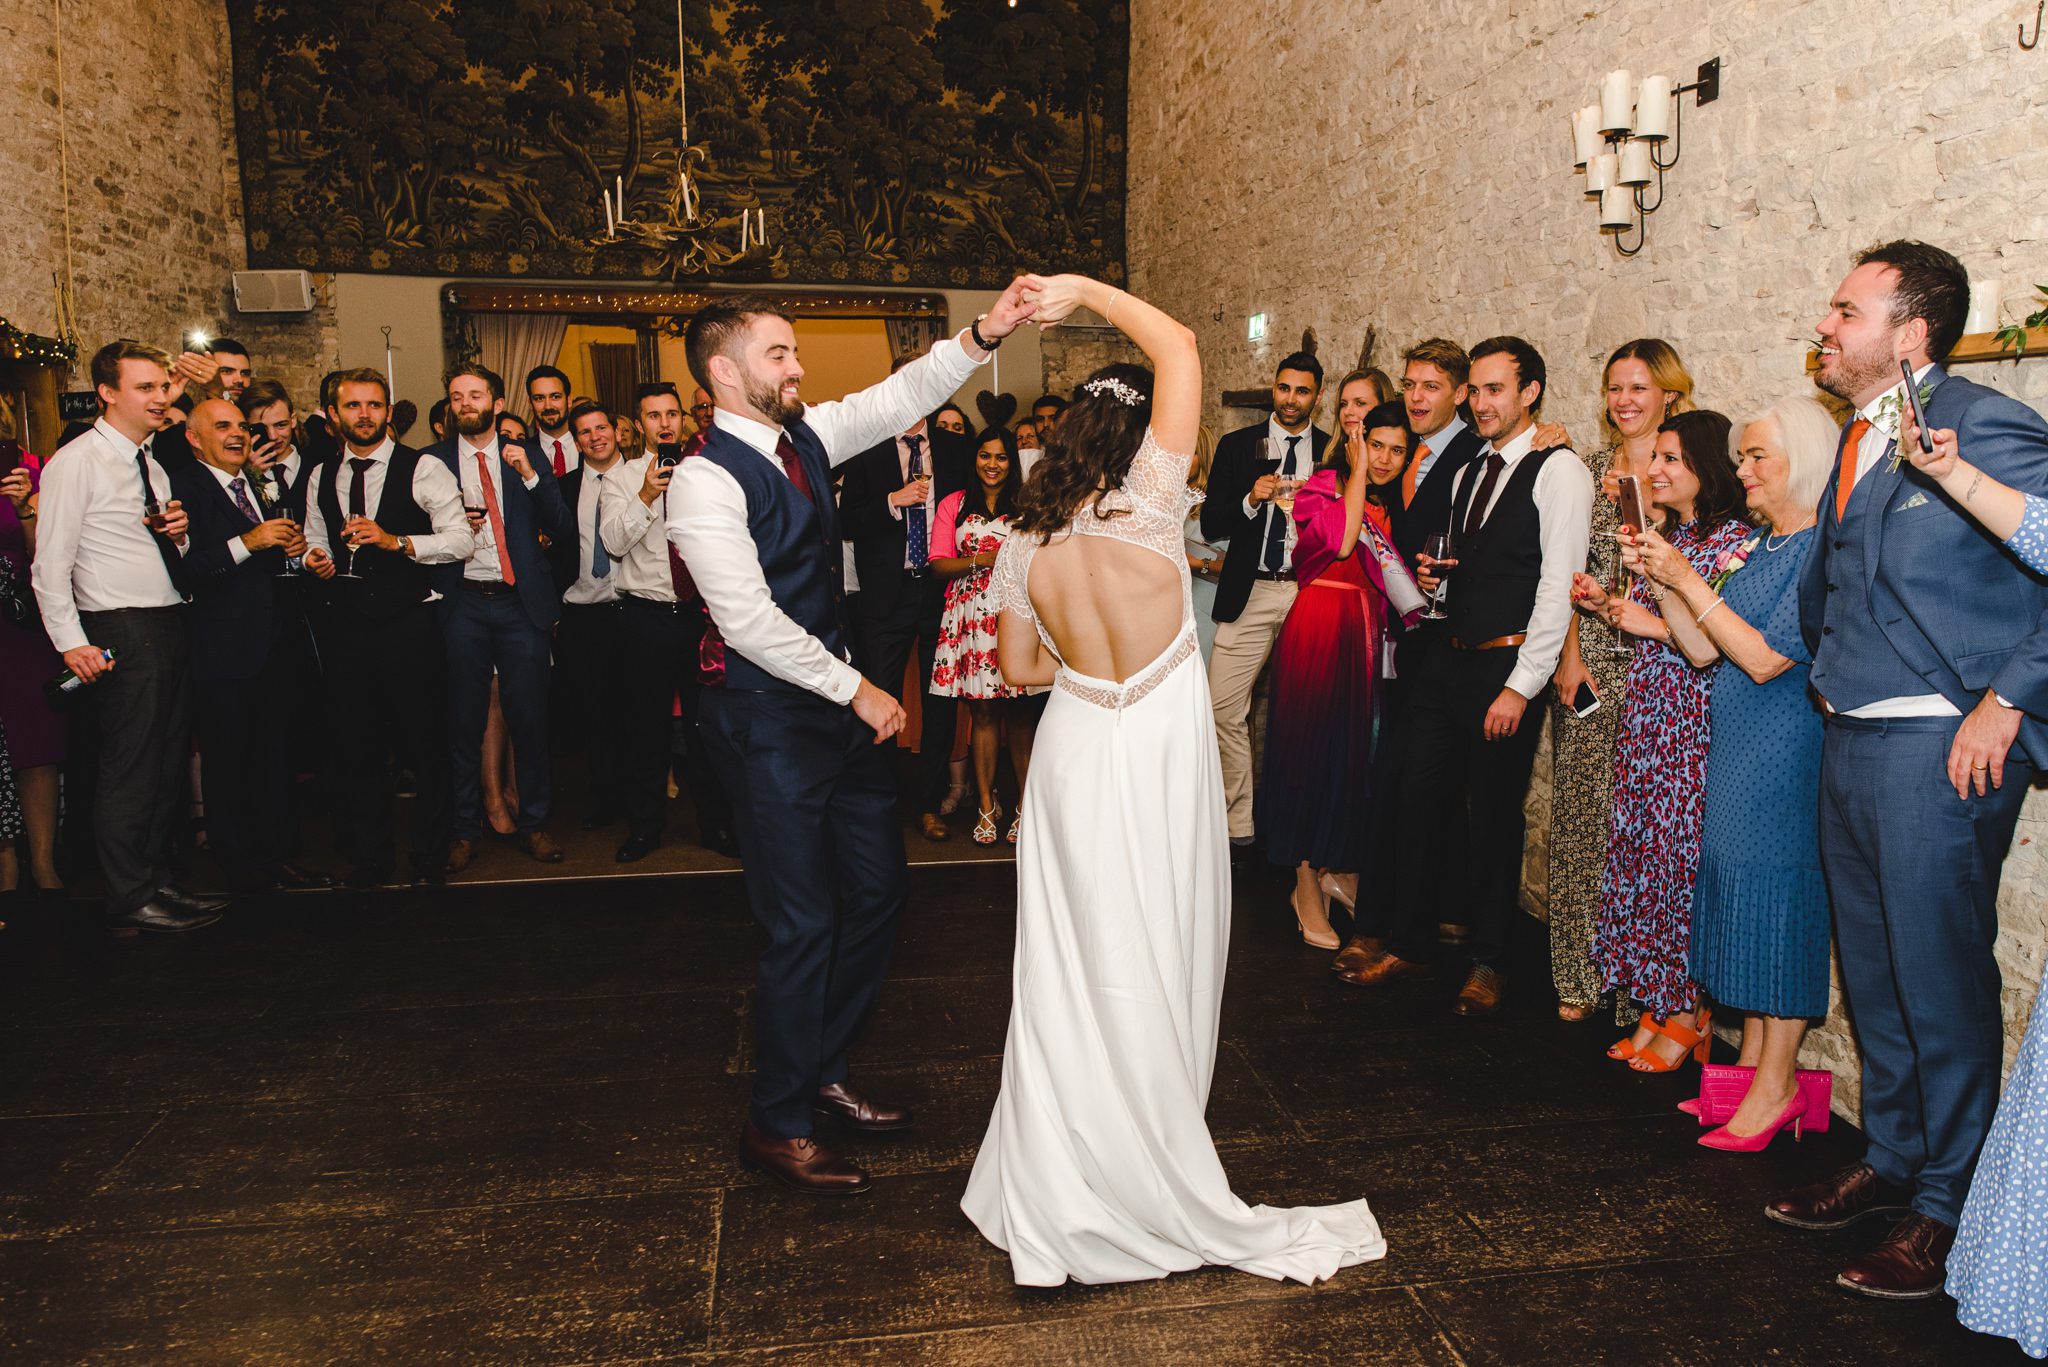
[496,519]
[1845,478]
[1408,476]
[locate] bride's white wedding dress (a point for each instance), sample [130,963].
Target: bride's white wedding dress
[1098,1163]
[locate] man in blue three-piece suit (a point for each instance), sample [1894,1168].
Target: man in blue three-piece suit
[794,727]
[1930,660]
[498,609]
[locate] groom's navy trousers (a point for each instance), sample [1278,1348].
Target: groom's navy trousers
[815,806]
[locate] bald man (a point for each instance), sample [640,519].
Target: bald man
[237,550]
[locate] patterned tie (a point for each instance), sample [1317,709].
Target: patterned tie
[600,558]
[916,535]
[238,488]
[1475,512]
[496,519]
[561,461]
[1276,525]
[1845,481]
[1413,475]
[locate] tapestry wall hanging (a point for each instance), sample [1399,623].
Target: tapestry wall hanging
[889,142]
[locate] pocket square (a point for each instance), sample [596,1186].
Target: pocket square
[1915,501]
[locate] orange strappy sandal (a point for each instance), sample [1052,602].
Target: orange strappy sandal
[1624,1049]
[1698,1041]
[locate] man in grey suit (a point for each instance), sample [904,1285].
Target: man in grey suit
[1930,648]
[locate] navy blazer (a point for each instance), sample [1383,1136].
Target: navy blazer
[1240,459]
[865,519]
[1958,608]
[236,615]
[529,515]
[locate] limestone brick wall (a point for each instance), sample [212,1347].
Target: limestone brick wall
[1409,166]
[156,201]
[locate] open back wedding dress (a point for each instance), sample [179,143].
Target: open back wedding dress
[1098,1165]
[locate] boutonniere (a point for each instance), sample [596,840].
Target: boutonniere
[1731,560]
[1890,417]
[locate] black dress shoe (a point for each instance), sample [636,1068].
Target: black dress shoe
[720,842]
[637,848]
[189,903]
[157,916]
[297,880]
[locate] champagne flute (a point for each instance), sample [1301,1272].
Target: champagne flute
[1440,549]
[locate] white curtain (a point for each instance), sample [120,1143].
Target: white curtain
[514,343]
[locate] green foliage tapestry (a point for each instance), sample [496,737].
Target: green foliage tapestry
[910,142]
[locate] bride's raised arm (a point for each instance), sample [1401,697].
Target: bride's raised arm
[1167,343]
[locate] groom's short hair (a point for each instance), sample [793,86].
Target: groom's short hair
[718,328]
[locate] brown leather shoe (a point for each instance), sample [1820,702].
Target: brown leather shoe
[802,1165]
[1850,1195]
[1480,996]
[542,847]
[1909,1265]
[1389,967]
[1358,951]
[858,1112]
[934,828]
[460,853]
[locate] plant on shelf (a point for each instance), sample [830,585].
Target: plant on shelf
[2013,336]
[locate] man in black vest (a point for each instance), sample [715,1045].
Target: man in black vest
[795,727]
[377,515]
[1519,517]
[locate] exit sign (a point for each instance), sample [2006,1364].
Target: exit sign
[1255,328]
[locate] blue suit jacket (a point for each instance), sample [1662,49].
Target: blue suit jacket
[529,515]
[1958,608]
[235,618]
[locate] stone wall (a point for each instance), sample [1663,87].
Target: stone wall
[1418,176]
[155,198]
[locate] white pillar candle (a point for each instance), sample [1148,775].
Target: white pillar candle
[1984,297]
[1586,134]
[1601,171]
[1617,102]
[611,225]
[1653,108]
[1636,166]
[1617,207]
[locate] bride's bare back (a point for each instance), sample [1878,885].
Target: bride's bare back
[1111,606]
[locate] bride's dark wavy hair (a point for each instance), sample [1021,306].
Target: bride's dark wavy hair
[1089,451]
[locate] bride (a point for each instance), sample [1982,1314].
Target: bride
[1098,1163]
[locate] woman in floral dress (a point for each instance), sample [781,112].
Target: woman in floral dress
[968,528]
[1643,937]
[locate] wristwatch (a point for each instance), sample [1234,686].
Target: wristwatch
[974,331]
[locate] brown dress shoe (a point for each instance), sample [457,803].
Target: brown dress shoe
[858,1112]
[541,846]
[934,828]
[1480,996]
[1909,1265]
[1850,1195]
[1389,967]
[460,852]
[802,1164]
[1358,951]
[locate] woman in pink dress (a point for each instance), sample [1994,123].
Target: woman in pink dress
[968,529]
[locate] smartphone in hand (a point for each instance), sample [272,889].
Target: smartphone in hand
[1634,511]
[1919,413]
[1585,702]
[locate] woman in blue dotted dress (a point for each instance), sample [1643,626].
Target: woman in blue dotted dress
[1760,904]
[1998,1270]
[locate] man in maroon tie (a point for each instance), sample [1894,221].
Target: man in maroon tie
[547,392]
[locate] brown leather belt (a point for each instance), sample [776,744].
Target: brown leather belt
[1497,643]
[1287,575]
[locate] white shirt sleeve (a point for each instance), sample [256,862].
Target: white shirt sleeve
[622,515]
[316,521]
[238,550]
[1564,510]
[851,425]
[60,516]
[440,497]
[707,522]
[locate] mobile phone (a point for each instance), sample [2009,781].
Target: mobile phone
[1633,510]
[1919,413]
[668,455]
[10,457]
[1585,702]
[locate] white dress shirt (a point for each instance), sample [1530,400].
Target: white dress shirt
[1564,515]
[571,457]
[433,488]
[636,532]
[1301,467]
[707,517]
[94,553]
[1877,444]
[483,564]
[588,588]
[238,549]
[1434,445]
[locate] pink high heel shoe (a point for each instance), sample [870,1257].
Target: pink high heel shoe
[1794,1115]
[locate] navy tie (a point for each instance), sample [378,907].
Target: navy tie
[1276,526]
[916,535]
[600,559]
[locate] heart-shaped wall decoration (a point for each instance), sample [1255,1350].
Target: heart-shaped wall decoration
[996,409]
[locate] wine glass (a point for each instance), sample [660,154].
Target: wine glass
[1617,587]
[1439,548]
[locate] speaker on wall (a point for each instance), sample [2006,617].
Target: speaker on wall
[273,291]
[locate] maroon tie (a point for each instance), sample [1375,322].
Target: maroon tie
[793,466]
[561,462]
[1475,515]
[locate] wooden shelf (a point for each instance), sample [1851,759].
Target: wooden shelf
[1983,346]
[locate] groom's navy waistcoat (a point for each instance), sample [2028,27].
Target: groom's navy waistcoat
[797,540]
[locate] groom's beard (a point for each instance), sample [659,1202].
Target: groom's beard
[768,401]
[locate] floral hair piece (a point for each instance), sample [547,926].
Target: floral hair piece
[1117,389]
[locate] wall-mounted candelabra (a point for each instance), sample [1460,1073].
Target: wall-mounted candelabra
[1622,143]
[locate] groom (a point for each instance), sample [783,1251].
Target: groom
[795,729]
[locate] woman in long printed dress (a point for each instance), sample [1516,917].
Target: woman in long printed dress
[968,528]
[1643,938]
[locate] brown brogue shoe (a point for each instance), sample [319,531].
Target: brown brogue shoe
[541,846]
[858,1112]
[1850,1195]
[1481,994]
[1389,967]
[1358,951]
[934,828]
[460,853]
[801,1164]
[1911,1263]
